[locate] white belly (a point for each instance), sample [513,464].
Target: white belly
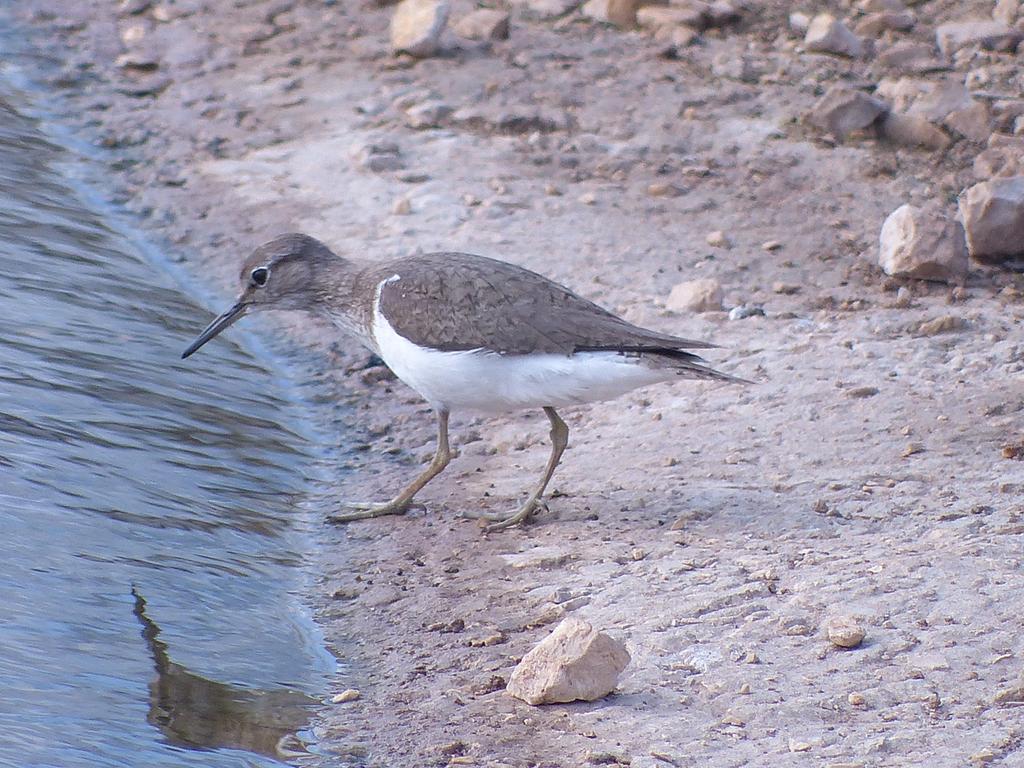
[486,381]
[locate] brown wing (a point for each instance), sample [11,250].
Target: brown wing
[457,301]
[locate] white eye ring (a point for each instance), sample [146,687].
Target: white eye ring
[260,275]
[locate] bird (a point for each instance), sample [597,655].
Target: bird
[466,332]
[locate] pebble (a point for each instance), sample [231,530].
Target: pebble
[843,110]
[545,9]
[429,114]
[989,34]
[799,22]
[574,663]
[934,327]
[856,699]
[771,245]
[717,239]
[743,311]
[349,694]
[786,289]
[845,632]
[827,34]
[664,189]
[656,17]
[874,24]
[416,26]
[401,207]
[621,13]
[923,244]
[704,295]
[483,24]
[909,56]
[913,131]
[993,217]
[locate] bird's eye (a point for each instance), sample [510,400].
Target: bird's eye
[260,275]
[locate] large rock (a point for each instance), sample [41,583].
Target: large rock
[573,663]
[922,244]
[621,13]
[993,217]
[827,34]
[416,26]
[985,33]
[696,296]
[843,110]
[483,24]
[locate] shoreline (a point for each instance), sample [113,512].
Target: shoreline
[736,523]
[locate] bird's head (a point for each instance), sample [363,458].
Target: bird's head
[280,274]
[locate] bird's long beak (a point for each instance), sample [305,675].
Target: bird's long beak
[219,324]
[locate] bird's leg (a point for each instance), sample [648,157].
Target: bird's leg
[401,502]
[559,439]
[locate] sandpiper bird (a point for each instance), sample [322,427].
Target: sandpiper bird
[466,332]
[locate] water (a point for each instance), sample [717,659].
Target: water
[150,534]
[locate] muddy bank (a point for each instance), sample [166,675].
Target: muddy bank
[714,529]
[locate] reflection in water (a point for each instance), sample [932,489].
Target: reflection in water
[195,712]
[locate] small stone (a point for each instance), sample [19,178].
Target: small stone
[664,189]
[402,207]
[483,24]
[827,34]
[799,22]
[545,9]
[993,217]
[743,311]
[703,295]
[922,244]
[588,198]
[998,162]
[913,131]
[795,745]
[1007,11]
[859,393]
[856,699]
[722,13]
[731,66]
[656,17]
[989,34]
[574,663]
[903,298]
[934,327]
[786,289]
[971,121]
[843,110]
[1014,694]
[909,56]
[874,24]
[771,245]
[349,694]
[845,632]
[429,114]
[717,239]
[416,26]
[621,13]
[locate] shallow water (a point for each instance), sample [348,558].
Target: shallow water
[151,537]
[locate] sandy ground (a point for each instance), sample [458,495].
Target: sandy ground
[714,528]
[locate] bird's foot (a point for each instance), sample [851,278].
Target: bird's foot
[502,520]
[362,510]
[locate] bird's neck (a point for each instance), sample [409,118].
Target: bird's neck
[345,294]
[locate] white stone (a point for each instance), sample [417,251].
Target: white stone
[922,244]
[696,296]
[827,34]
[574,663]
[844,632]
[483,24]
[416,26]
[993,217]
